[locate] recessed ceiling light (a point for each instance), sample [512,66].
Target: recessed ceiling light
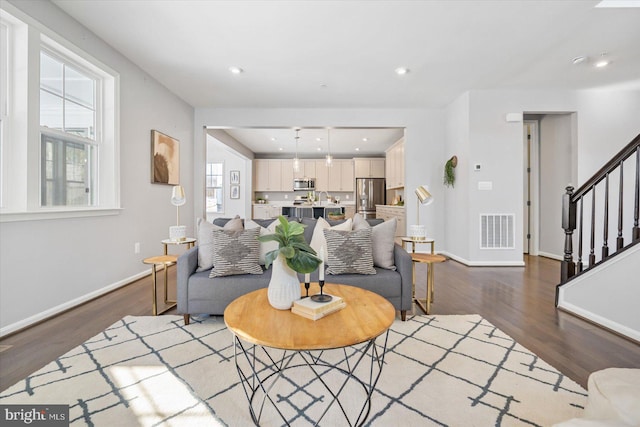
[401,71]
[357,149]
[273,138]
[318,139]
[365,139]
[280,148]
[319,149]
[236,70]
[602,61]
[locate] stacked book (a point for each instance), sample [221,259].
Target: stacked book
[313,310]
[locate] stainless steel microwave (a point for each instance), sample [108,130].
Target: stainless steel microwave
[304,184]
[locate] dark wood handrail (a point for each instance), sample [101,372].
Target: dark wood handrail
[622,155]
[570,219]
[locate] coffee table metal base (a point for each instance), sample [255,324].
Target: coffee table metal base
[272,378]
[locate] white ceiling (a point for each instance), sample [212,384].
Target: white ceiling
[342,54]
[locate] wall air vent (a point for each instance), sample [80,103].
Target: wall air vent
[497,231]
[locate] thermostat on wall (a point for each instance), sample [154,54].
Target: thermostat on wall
[476,167]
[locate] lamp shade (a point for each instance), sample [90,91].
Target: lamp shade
[424,197]
[177,196]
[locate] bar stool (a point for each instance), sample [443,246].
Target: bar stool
[165,261]
[428,259]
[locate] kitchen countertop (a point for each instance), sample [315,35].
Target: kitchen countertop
[284,204]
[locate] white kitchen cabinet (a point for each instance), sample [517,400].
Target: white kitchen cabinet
[388,212]
[322,175]
[266,211]
[268,175]
[307,169]
[369,167]
[341,176]
[286,181]
[395,166]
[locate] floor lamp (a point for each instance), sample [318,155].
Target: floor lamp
[423,197]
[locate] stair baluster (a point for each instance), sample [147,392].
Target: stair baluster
[605,234]
[592,255]
[620,239]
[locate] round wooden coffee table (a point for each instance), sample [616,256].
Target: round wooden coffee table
[279,353]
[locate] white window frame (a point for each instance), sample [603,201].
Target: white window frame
[5,37]
[94,143]
[21,154]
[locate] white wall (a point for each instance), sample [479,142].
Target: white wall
[606,122]
[424,139]
[48,265]
[457,197]
[608,295]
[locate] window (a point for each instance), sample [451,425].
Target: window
[68,133]
[214,184]
[4,99]
[59,148]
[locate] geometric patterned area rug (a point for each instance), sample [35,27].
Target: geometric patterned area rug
[439,371]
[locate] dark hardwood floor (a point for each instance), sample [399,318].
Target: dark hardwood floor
[519,301]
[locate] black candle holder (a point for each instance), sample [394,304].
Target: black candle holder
[321,297]
[306,287]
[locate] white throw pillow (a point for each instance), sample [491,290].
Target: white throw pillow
[318,241]
[383,240]
[265,247]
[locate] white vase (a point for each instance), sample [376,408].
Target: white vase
[284,286]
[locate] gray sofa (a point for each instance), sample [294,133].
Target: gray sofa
[199,294]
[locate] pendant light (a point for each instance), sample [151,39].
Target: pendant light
[329,157]
[296,160]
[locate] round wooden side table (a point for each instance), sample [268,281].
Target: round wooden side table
[165,261]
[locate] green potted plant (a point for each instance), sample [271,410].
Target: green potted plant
[449,178]
[294,255]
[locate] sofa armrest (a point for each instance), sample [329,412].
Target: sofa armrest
[402,260]
[187,265]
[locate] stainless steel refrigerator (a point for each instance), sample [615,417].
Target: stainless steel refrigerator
[369,193]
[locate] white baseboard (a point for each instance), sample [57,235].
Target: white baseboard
[599,320]
[70,304]
[550,255]
[483,263]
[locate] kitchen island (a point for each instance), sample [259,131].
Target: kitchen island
[272,210]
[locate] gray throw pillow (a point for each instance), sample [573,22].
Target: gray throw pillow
[235,252]
[349,251]
[205,240]
[383,240]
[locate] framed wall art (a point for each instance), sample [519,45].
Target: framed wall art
[165,159]
[234,177]
[235,192]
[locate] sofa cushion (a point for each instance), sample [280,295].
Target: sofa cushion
[318,240]
[235,252]
[382,238]
[205,239]
[270,228]
[349,251]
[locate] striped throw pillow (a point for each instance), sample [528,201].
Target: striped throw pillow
[349,251]
[235,252]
